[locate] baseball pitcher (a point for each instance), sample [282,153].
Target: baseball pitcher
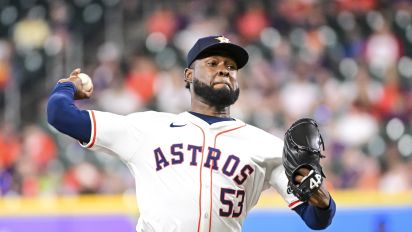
[202,170]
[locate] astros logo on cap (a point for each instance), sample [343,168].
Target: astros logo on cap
[216,44]
[223,39]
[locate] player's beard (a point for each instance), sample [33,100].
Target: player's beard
[220,98]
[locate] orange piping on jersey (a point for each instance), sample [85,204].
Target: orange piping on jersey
[211,192]
[293,203]
[200,180]
[93,130]
[211,176]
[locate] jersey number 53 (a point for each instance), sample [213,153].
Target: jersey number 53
[233,207]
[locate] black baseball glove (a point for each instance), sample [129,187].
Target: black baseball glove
[302,146]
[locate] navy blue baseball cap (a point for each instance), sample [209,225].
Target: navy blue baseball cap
[215,45]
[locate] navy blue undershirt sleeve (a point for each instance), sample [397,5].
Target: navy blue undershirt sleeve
[314,217]
[64,115]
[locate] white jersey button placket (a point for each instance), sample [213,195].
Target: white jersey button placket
[206,175]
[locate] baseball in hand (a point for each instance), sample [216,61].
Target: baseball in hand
[87,83]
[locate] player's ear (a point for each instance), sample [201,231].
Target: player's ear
[188,75]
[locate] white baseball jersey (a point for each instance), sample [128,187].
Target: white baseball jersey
[192,176]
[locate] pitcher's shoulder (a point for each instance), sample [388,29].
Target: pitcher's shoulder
[150,119]
[262,135]
[151,114]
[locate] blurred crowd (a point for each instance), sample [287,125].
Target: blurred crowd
[345,63]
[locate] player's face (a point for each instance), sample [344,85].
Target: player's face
[215,80]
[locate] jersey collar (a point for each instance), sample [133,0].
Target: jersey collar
[200,122]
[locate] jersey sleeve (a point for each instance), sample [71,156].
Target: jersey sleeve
[277,176]
[113,134]
[279,181]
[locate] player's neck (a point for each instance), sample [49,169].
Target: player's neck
[205,109]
